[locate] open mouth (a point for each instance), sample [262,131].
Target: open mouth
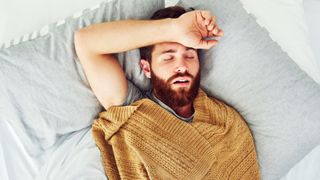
[181,82]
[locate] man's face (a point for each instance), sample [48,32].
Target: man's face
[174,73]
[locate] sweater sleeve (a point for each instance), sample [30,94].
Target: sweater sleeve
[104,127]
[240,128]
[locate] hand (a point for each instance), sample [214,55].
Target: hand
[194,26]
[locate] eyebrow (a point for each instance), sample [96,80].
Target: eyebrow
[174,50]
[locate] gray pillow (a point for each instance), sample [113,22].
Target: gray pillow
[44,91]
[250,72]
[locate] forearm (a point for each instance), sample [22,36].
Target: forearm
[124,35]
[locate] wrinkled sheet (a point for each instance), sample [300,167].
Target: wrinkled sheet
[307,168]
[74,156]
[46,103]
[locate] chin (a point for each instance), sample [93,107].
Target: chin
[177,88]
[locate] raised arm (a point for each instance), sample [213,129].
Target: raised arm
[96,44]
[119,36]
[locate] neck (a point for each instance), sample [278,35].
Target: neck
[184,111]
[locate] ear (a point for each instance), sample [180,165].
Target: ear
[145,66]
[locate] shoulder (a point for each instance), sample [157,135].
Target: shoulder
[225,111]
[122,111]
[221,105]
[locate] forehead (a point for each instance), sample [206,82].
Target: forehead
[166,47]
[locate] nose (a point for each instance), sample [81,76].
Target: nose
[181,66]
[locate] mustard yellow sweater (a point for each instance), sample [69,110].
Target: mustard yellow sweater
[145,141]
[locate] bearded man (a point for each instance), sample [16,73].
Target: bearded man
[174,130]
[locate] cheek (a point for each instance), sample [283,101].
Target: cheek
[194,68]
[161,72]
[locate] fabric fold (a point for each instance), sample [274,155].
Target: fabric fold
[144,141]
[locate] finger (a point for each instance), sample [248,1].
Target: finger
[211,24]
[206,15]
[216,31]
[206,44]
[200,19]
[212,31]
[210,27]
[220,32]
[210,34]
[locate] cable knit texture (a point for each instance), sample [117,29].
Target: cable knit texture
[145,141]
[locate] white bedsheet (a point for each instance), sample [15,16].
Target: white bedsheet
[312,13]
[74,156]
[308,168]
[16,162]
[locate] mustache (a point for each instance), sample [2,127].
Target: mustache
[180,75]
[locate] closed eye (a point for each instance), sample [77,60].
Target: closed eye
[169,58]
[190,55]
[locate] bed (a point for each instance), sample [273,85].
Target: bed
[47,106]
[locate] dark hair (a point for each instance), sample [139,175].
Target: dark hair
[168,12]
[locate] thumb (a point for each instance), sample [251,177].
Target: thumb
[206,44]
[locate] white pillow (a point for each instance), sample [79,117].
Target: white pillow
[170,2]
[312,13]
[285,21]
[21,17]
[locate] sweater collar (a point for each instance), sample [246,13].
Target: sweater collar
[199,105]
[151,95]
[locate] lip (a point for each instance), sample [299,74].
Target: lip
[186,84]
[181,78]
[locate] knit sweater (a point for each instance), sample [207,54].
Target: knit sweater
[144,141]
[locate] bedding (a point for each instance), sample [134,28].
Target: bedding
[286,24]
[74,156]
[187,151]
[19,18]
[307,168]
[45,96]
[250,72]
[312,13]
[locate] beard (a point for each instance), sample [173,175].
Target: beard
[178,97]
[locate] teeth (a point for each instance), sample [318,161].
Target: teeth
[182,81]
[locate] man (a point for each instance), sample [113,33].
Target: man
[144,140]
